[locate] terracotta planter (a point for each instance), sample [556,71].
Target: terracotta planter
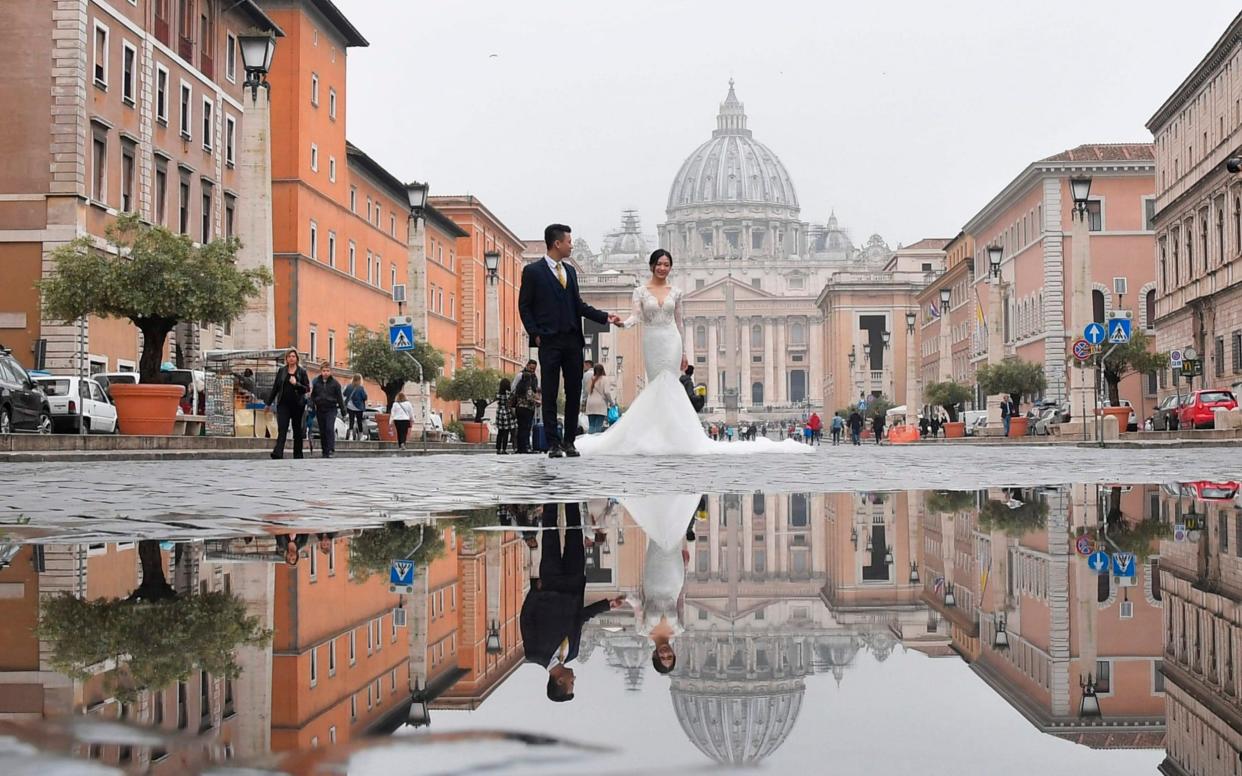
[1122,414]
[1017,427]
[477,433]
[902,435]
[955,429]
[146,409]
[386,431]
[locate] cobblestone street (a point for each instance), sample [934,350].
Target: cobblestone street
[226,496]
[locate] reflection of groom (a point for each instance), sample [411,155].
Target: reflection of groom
[553,614]
[552,311]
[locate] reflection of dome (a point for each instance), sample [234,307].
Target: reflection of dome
[836,653]
[631,653]
[732,167]
[737,723]
[881,644]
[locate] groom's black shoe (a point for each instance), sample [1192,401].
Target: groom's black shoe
[571,451]
[555,452]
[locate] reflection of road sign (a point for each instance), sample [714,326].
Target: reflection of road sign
[1123,564]
[1084,545]
[1098,562]
[1094,333]
[401,573]
[1175,358]
[1119,331]
[1193,521]
[1179,532]
[1082,350]
[401,337]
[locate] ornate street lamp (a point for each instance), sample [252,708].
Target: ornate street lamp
[417,194]
[256,53]
[853,357]
[1090,706]
[886,336]
[854,536]
[914,572]
[420,714]
[949,598]
[911,318]
[491,260]
[603,352]
[1080,189]
[1001,639]
[995,254]
[945,295]
[493,639]
[888,554]
[867,350]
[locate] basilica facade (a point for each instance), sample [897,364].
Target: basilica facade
[751,270]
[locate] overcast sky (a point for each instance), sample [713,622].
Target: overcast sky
[904,117]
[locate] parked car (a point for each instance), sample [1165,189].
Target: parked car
[1164,418]
[75,401]
[976,421]
[23,407]
[108,379]
[1197,410]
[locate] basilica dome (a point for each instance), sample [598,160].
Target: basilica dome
[732,168]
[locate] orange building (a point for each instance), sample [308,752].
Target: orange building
[340,220]
[485,233]
[440,250]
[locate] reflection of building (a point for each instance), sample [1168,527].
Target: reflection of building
[750,267]
[1201,584]
[1003,561]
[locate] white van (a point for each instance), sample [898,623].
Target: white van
[976,421]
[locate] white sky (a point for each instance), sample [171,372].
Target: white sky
[904,117]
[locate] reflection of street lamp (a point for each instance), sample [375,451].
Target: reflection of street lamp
[493,639]
[420,714]
[1001,640]
[1090,706]
[603,352]
[914,572]
[949,598]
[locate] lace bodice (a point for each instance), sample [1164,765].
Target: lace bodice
[646,309]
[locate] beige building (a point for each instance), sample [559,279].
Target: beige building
[1198,214]
[945,331]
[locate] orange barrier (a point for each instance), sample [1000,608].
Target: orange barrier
[902,435]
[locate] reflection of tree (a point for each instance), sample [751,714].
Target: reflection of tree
[158,635]
[477,518]
[945,501]
[1136,537]
[1015,521]
[372,551]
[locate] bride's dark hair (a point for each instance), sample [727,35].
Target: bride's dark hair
[658,254]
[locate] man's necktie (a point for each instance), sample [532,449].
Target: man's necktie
[560,274]
[563,650]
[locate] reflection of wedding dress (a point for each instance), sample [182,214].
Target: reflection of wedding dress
[661,421]
[664,520]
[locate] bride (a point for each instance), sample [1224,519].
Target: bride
[661,421]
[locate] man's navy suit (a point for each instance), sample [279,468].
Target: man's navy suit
[552,317]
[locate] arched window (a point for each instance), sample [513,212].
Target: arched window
[756,338]
[756,394]
[758,504]
[1149,301]
[700,337]
[797,385]
[797,334]
[799,510]
[1097,306]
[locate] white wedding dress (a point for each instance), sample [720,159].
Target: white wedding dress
[661,421]
[664,520]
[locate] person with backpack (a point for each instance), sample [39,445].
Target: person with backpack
[525,400]
[697,400]
[838,425]
[855,423]
[356,406]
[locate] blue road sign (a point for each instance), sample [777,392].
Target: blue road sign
[1098,562]
[1119,331]
[1094,333]
[401,336]
[401,573]
[1123,564]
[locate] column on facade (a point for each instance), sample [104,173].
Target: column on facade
[687,347]
[815,376]
[746,240]
[744,380]
[713,365]
[782,377]
[769,362]
[748,537]
[713,533]
[780,563]
[718,238]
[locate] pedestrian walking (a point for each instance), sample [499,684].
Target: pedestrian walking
[877,427]
[855,423]
[506,422]
[326,399]
[525,400]
[308,434]
[838,425]
[1006,411]
[816,424]
[288,396]
[401,414]
[598,399]
[356,407]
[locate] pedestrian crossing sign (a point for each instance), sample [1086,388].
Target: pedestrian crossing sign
[1119,331]
[401,336]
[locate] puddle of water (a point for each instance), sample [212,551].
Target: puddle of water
[1023,630]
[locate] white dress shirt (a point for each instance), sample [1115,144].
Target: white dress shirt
[553,264]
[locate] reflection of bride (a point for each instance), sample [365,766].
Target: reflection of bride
[657,608]
[661,421]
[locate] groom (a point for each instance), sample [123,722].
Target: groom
[552,311]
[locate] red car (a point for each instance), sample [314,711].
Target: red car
[1196,409]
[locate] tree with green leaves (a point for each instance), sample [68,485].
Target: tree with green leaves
[157,636]
[372,356]
[373,551]
[1013,377]
[1134,356]
[154,279]
[878,406]
[948,395]
[950,501]
[472,384]
[1015,517]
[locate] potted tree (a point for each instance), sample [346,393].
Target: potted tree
[1015,378]
[1134,356]
[155,279]
[477,386]
[949,395]
[371,356]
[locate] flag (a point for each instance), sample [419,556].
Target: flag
[938,585]
[933,311]
[983,576]
[979,319]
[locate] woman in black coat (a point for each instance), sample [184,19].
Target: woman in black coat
[877,427]
[288,395]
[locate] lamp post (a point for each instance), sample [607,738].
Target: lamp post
[1090,706]
[914,572]
[913,400]
[416,281]
[420,714]
[949,598]
[491,262]
[996,331]
[945,368]
[1001,639]
[1081,307]
[493,639]
[255,329]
